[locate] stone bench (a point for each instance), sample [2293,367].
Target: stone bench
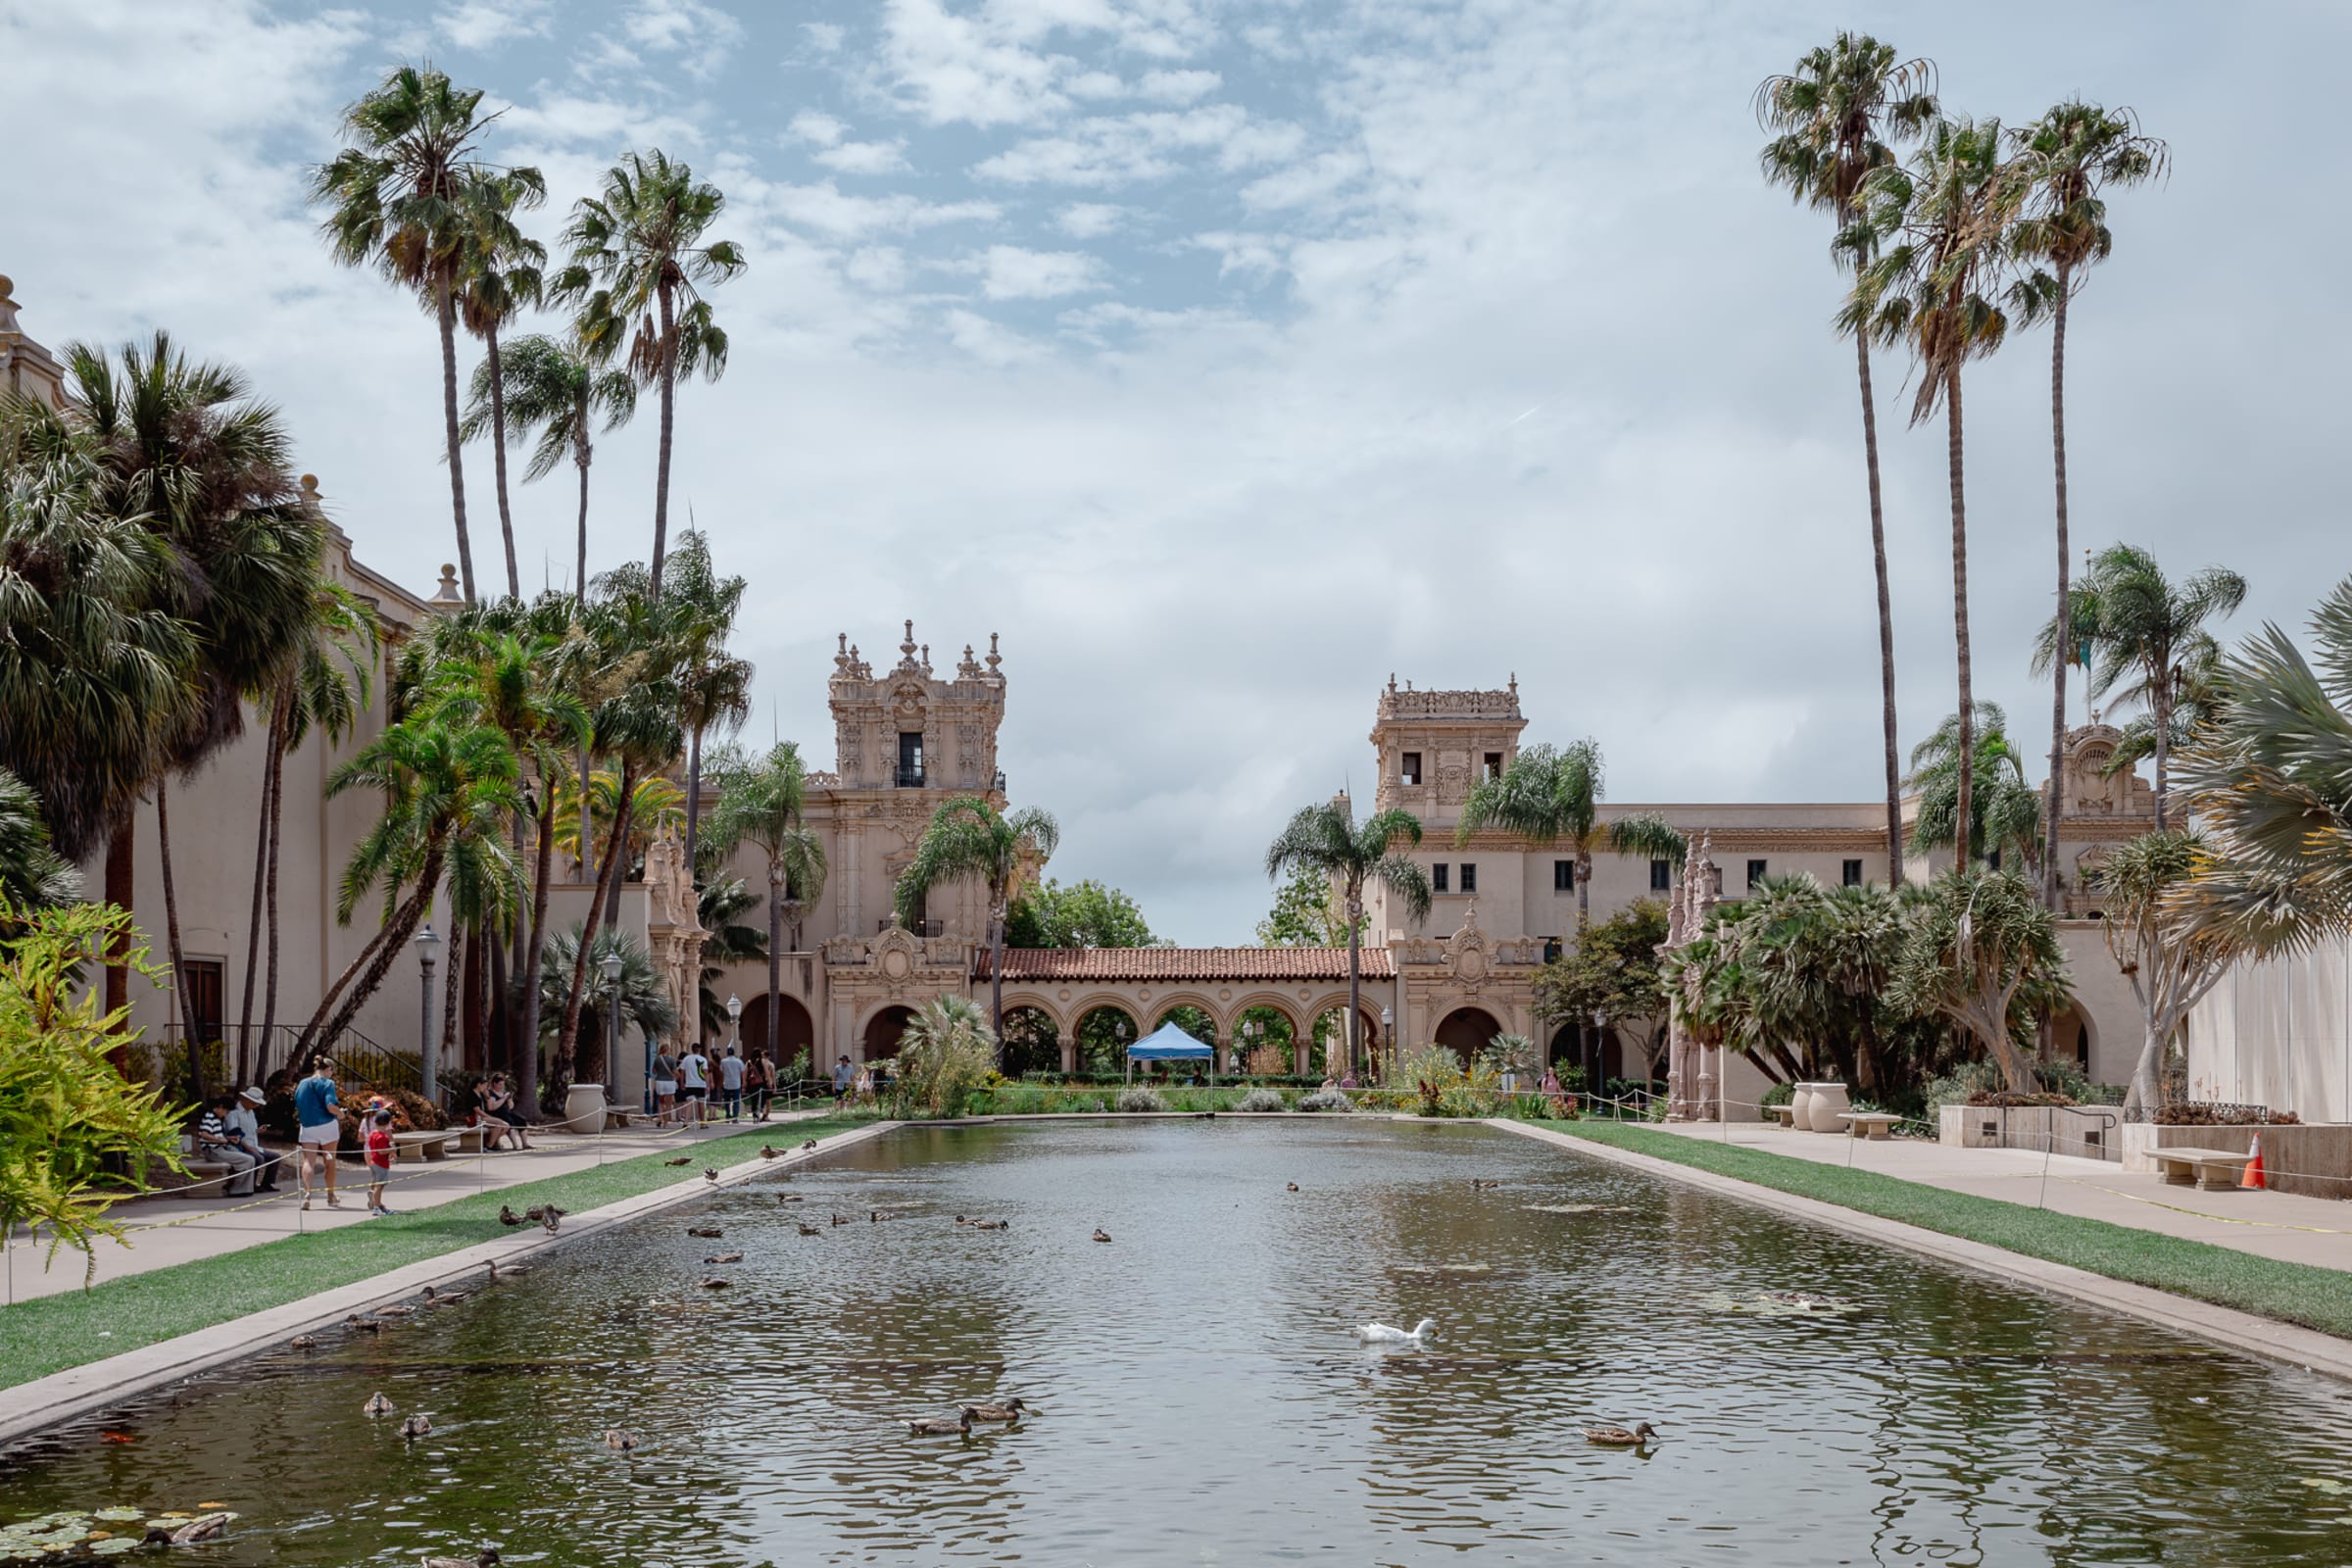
[415,1148]
[1781,1115]
[469,1139]
[2213,1170]
[1875,1125]
[201,1172]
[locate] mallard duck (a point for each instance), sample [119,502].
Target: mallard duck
[487,1557]
[710,1173]
[1481,1185]
[841,1219]
[416,1426]
[707,1233]
[377,1404]
[619,1441]
[1011,1410]
[809,1146]
[363,1325]
[303,1341]
[1382,1334]
[808,1229]
[724,1257]
[1101,1235]
[551,1216]
[1634,1437]
[511,1271]
[1291,1186]
[507,1216]
[790,1198]
[715,1283]
[537,1215]
[1000,1224]
[682,1159]
[771,1151]
[202,1527]
[939,1425]
[434,1298]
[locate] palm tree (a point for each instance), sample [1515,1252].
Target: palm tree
[729,942]
[397,201]
[968,837]
[656,804]
[640,255]
[497,279]
[2006,810]
[1549,793]
[645,1003]
[717,685]
[1325,839]
[32,875]
[1941,228]
[2066,160]
[1828,114]
[761,804]
[2145,638]
[549,386]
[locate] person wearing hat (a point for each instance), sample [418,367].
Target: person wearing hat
[245,1134]
[213,1143]
[315,1103]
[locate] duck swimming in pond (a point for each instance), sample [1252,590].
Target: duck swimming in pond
[1011,1409]
[619,1441]
[1101,1235]
[377,1404]
[487,1557]
[939,1425]
[1634,1437]
[416,1426]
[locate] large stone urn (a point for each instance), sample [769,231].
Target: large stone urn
[584,1108]
[1828,1103]
[1800,1106]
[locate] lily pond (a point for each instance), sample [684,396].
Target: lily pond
[1199,1394]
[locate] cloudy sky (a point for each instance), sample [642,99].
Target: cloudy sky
[1226,356]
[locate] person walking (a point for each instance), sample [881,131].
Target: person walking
[694,1083]
[245,1131]
[760,1083]
[666,1085]
[379,1159]
[843,1077]
[213,1143]
[730,1083]
[320,1131]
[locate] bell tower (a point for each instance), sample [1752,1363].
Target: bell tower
[907,729]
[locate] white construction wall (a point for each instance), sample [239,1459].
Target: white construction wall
[2278,1034]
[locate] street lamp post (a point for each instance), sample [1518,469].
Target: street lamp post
[428,946]
[612,967]
[734,1024]
[1388,1040]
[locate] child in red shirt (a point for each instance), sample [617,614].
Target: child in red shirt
[380,1158]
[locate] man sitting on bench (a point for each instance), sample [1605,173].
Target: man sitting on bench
[213,1143]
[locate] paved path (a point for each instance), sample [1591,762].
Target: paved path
[2280,1225]
[171,1229]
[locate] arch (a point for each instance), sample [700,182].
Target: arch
[796,1031]
[879,1040]
[1465,1031]
[1092,1025]
[1567,1045]
[1036,1002]
[1031,1041]
[2073,1037]
[1272,1001]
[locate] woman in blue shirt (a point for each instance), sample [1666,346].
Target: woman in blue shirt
[315,1103]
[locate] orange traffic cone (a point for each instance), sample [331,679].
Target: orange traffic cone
[2253,1175]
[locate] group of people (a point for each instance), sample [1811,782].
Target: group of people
[683,1083]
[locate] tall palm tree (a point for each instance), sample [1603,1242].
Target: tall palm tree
[1829,113]
[730,941]
[1940,227]
[2065,162]
[2006,810]
[761,804]
[32,875]
[968,837]
[2144,640]
[396,199]
[1554,793]
[1326,840]
[717,685]
[645,1003]
[550,386]
[641,254]
[497,279]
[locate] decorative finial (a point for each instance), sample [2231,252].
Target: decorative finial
[926,656]
[1392,680]
[8,305]
[311,497]
[447,593]
[908,647]
[1514,683]
[994,658]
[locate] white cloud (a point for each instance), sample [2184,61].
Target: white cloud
[814,125]
[952,68]
[1178,87]
[1009,272]
[825,36]
[487,23]
[826,210]
[881,269]
[605,125]
[701,33]
[864,158]
[1310,183]
[1108,151]
[1090,220]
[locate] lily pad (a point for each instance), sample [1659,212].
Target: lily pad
[118,1516]
[2332,1488]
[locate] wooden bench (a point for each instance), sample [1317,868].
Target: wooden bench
[415,1148]
[1875,1125]
[2213,1170]
[1781,1115]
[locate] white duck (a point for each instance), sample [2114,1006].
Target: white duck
[1382,1334]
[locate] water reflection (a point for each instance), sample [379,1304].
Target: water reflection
[1199,1397]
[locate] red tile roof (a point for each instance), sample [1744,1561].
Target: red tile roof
[1187,964]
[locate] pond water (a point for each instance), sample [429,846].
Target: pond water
[1200,1396]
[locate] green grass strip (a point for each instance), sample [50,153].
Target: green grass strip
[52,1332]
[2293,1293]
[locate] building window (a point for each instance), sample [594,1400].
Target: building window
[1436,877]
[1410,771]
[1853,874]
[1755,873]
[911,759]
[1469,878]
[1661,876]
[1493,765]
[1563,876]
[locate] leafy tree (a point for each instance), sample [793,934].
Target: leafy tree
[1324,841]
[70,1123]
[2150,926]
[1834,114]
[717,908]
[714,685]
[641,253]
[1982,952]
[549,385]
[944,1057]
[499,277]
[645,1003]
[762,803]
[397,200]
[1549,793]
[1305,913]
[1083,914]
[1613,972]
[2007,809]
[1936,231]
[2145,638]
[968,837]
[2067,160]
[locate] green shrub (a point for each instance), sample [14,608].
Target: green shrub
[946,1057]
[1141,1097]
[1777,1095]
[1260,1099]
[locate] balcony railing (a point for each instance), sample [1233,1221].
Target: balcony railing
[908,778]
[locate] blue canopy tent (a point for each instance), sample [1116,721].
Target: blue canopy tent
[1168,1043]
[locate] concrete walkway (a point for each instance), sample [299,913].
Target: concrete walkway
[2280,1225]
[170,1228]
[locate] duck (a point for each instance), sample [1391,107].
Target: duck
[711,1174]
[487,1557]
[1000,1224]
[790,1198]
[619,1441]
[202,1527]
[808,1148]
[841,1219]
[939,1425]
[511,1271]
[811,1230]
[707,1233]
[377,1404]
[508,1217]
[1382,1334]
[879,1214]
[1481,1185]
[960,1220]
[1292,1185]
[416,1426]
[724,1257]
[682,1159]
[551,1216]
[715,1283]
[394,1310]
[1101,1235]
[434,1298]
[1011,1409]
[303,1341]
[771,1151]
[1636,1435]
[536,1215]
[363,1325]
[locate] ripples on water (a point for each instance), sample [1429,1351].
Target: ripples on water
[1201,1398]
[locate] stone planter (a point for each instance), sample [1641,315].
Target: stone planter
[2088,1132]
[1800,1108]
[584,1109]
[1828,1103]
